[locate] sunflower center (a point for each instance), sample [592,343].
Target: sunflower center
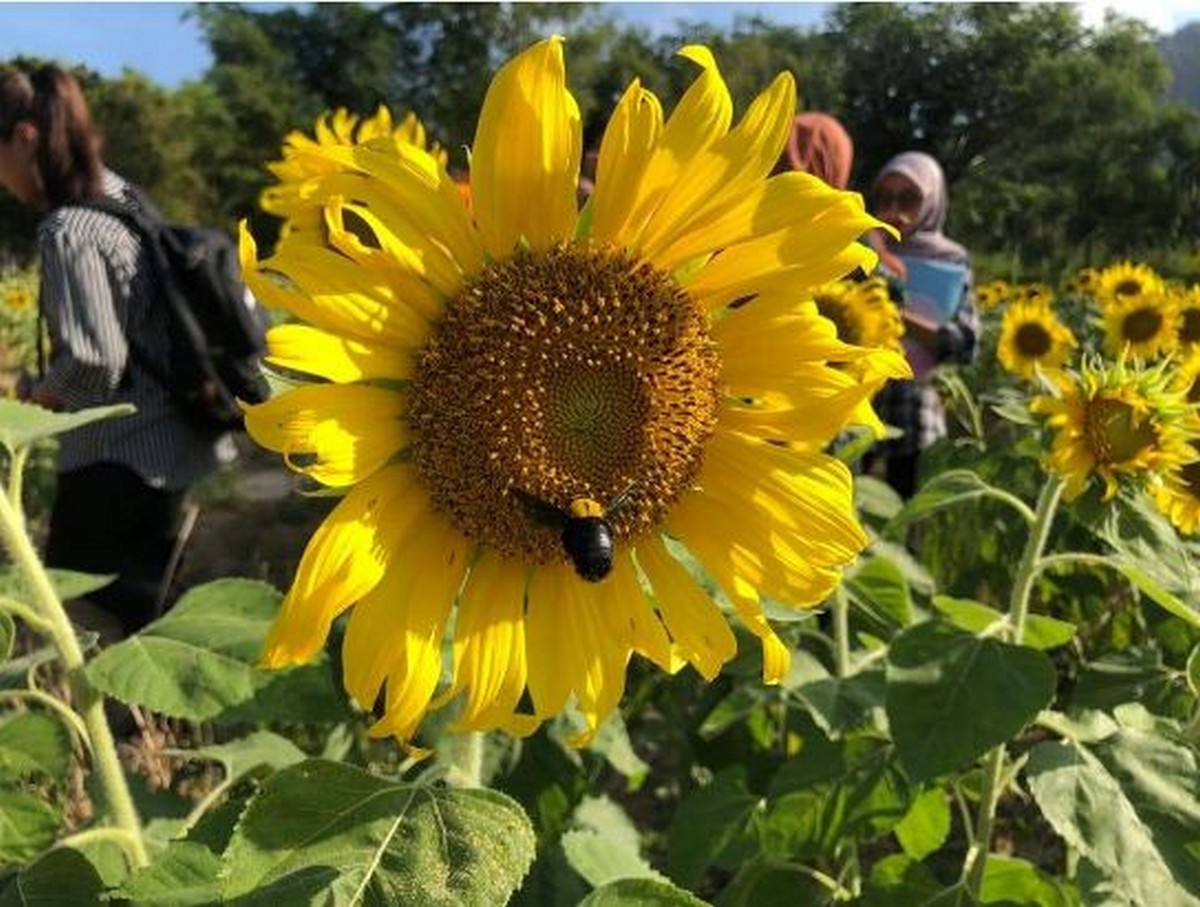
[1115,431]
[1189,330]
[1128,288]
[848,328]
[1142,325]
[1033,341]
[576,372]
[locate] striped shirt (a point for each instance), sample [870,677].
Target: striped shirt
[97,289]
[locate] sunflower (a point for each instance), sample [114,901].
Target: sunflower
[1147,325]
[992,294]
[1032,336]
[1124,281]
[494,383]
[862,312]
[1187,304]
[1084,281]
[1115,419]
[1178,496]
[18,299]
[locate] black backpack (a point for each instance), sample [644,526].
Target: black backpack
[217,331]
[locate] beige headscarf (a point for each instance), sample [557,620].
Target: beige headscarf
[820,145]
[926,239]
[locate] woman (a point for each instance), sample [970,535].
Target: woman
[121,482]
[820,145]
[941,322]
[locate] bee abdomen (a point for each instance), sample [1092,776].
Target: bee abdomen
[588,541]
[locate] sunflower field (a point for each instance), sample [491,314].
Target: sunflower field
[601,597]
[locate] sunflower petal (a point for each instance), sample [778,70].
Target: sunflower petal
[525,160]
[625,152]
[343,561]
[337,434]
[312,351]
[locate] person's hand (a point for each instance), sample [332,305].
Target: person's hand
[891,263]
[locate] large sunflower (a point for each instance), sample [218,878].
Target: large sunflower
[1188,307]
[1031,336]
[1117,419]
[505,388]
[1146,325]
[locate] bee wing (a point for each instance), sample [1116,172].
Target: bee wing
[540,511]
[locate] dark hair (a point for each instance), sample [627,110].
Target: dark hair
[68,152]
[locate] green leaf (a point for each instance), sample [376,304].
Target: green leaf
[1089,810]
[641,893]
[707,823]
[1015,883]
[952,696]
[34,743]
[1153,589]
[1041,631]
[876,498]
[62,878]
[8,633]
[1193,671]
[879,587]
[946,489]
[840,705]
[605,845]
[27,826]
[198,660]
[330,834]
[183,875]
[23,423]
[899,879]
[68,584]
[771,882]
[240,757]
[926,825]
[613,743]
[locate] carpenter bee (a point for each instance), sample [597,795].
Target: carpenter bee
[587,535]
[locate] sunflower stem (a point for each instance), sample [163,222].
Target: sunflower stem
[466,761]
[50,610]
[841,631]
[1018,612]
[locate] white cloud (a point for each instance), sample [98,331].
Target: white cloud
[1161,15]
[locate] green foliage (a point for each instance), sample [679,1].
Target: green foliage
[62,878]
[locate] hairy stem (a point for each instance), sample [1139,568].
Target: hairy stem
[90,701]
[1018,612]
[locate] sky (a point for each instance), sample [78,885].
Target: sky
[161,41]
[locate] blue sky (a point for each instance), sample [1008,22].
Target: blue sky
[159,40]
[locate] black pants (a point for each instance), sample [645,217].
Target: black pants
[107,520]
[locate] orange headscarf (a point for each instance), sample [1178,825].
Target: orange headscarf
[820,145]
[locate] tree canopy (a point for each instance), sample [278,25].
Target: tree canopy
[1062,143]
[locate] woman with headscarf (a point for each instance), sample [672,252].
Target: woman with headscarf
[940,318]
[820,145]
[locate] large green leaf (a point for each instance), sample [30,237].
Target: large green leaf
[879,588]
[68,584]
[199,659]
[952,696]
[709,822]
[27,826]
[62,878]
[1091,812]
[840,705]
[327,833]
[23,423]
[34,743]
[641,893]
[240,757]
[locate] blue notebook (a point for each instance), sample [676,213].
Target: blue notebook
[934,289]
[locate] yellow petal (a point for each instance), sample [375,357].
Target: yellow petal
[623,605]
[693,619]
[629,141]
[700,118]
[555,649]
[337,434]
[794,259]
[719,178]
[312,351]
[344,560]
[525,160]
[395,632]
[489,642]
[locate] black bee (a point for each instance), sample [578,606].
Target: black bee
[587,535]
